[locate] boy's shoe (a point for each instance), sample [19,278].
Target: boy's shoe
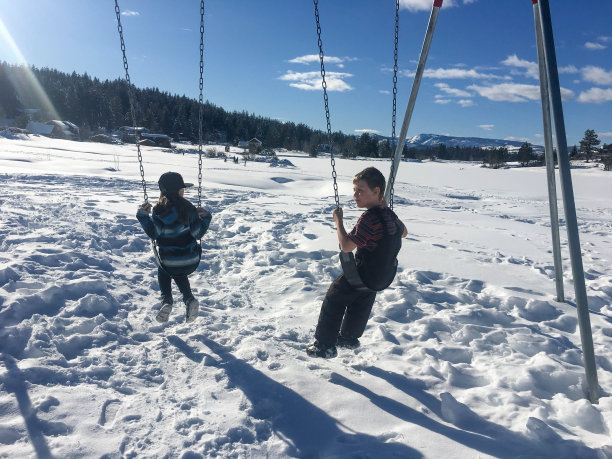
[164,313]
[192,309]
[349,343]
[317,349]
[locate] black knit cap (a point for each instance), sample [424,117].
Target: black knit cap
[172,181]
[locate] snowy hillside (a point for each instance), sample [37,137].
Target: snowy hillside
[465,355]
[433,140]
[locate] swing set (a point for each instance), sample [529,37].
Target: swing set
[551,103]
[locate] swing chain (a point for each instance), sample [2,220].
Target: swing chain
[201,103]
[393,140]
[325,98]
[132,100]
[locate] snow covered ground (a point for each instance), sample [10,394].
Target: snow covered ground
[466,354]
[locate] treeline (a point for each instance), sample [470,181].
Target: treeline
[102,106]
[95,106]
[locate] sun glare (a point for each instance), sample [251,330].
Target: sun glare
[30,92]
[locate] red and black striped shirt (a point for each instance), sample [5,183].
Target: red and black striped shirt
[369,229]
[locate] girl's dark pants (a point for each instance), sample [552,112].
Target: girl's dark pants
[165,285]
[344,310]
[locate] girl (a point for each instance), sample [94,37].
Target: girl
[176,226]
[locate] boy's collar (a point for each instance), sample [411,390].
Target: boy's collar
[377,205]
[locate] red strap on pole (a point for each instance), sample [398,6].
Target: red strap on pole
[438,3]
[533,2]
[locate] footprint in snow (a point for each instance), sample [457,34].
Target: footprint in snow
[109,410]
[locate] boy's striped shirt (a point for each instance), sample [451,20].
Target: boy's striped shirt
[369,229]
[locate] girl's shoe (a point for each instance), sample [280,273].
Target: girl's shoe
[192,309]
[164,313]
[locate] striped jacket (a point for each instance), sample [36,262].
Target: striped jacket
[177,242]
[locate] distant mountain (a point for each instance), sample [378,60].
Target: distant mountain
[432,140]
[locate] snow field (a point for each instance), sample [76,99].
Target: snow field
[466,354]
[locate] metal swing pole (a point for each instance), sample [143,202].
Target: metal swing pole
[569,205]
[549,154]
[399,148]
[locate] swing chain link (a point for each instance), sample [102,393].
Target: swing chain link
[325,98]
[201,103]
[393,140]
[132,101]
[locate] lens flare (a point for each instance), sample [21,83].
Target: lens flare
[29,90]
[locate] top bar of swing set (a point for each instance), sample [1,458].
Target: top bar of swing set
[399,147]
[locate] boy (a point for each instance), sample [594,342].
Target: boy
[377,237]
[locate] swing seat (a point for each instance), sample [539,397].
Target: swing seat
[170,270]
[379,272]
[351,273]
[349,268]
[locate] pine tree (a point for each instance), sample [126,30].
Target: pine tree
[442,151]
[588,144]
[525,154]
[606,156]
[573,153]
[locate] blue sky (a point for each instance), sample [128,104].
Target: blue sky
[481,77]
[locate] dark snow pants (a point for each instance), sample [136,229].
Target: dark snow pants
[165,285]
[344,310]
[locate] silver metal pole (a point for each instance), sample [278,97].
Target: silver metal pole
[569,205]
[399,148]
[548,154]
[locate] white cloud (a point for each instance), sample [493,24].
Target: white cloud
[508,92]
[531,68]
[595,96]
[605,135]
[568,69]
[425,5]
[130,13]
[440,99]
[486,127]
[597,75]
[594,46]
[452,91]
[514,92]
[311,81]
[605,39]
[367,131]
[314,58]
[453,73]
[384,91]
